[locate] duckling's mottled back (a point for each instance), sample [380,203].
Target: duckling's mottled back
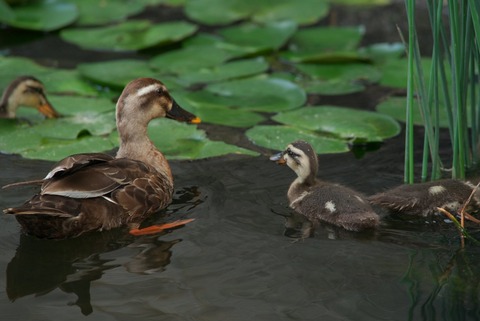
[322,201]
[424,198]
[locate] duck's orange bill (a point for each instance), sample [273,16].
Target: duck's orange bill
[159,228]
[48,111]
[196,120]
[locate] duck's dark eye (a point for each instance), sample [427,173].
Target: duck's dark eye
[160,91]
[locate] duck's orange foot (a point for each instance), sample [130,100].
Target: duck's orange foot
[159,228]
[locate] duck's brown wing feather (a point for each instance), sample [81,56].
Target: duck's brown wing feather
[76,162]
[97,179]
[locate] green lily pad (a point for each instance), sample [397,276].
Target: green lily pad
[218,12]
[44,15]
[342,122]
[94,12]
[278,137]
[56,149]
[189,59]
[72,105]
[395,72]
[214,109]
[230,70]
[380,52]
[261,93]
[396,107]
[16,136]
[185,141]
[325,44]
[55,80]
[361,2]
[116,73]
[256,38]
[129,36]
[335,79]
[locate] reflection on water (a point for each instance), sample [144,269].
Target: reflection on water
[237,260]
[40,266]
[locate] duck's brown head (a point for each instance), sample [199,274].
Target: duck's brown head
[144,99]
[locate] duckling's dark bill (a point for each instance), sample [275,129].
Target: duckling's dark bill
[180,114]
[278,158]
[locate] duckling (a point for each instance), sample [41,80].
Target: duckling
[423,199]
[26,91]
[322,201]
[88,192]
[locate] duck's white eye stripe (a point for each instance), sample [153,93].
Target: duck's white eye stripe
[147,90]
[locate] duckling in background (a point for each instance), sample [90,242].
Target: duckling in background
[88,192]
[320,201]
[424,198]
[26,91]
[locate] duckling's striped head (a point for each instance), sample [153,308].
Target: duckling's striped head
[301,158]
[26,91]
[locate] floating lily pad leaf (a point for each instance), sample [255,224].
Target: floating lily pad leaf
[383,51]
[6,13]
[234,69]
[361,2]
[325,44]
[116,73]
[216,148]
[100,12]
[29,142]
[214,109]
[395,72]
[71,127]
[335,79]
[278,137]
[44,15]
[218,12]
[55,80]
[218,43]
[56,149]
[303,12]
[185,141]
[342,122]
[396,108]
[261,93]
[259,38]
[13,67]
[16,137]
[72,105]
[130,35]
[332,87]
[189,59]
[67,82]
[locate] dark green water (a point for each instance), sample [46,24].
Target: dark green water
[234,261]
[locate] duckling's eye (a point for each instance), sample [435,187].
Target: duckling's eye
[36,90]
[160,91]
[292,154]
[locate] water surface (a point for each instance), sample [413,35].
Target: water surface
[234,262]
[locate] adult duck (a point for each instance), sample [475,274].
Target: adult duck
[87,192]
[26,91]
[321,201]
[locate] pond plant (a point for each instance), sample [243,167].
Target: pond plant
[249,65]
[446,90]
